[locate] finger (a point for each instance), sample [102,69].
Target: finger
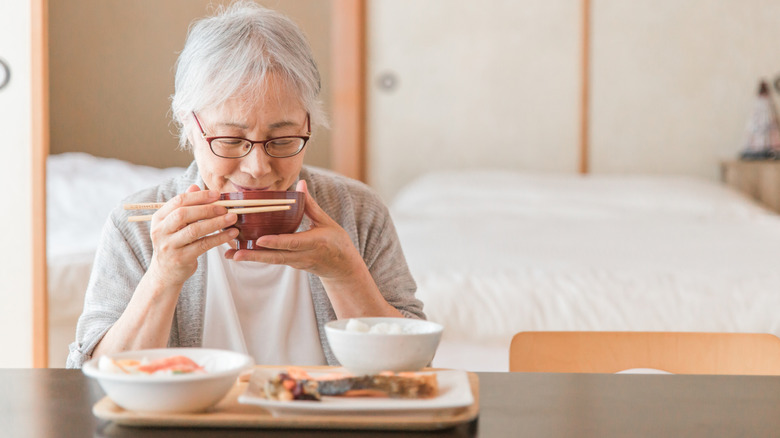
[200,246]
[188,198]
[312,209]
[268,256]
[303,241]
[195,227]
[184,216]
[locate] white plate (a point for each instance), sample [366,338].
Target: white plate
[643,371]
[454,392]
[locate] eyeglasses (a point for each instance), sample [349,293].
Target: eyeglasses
[238,147]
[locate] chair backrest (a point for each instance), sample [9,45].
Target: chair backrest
[675,352]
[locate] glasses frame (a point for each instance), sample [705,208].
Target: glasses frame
[209,139]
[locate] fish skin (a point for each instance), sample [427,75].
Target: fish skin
[300,386]
[422,386]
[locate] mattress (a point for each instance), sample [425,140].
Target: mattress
[81,191]
[496,252]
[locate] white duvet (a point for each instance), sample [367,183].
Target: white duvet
[81,191]
[495,253]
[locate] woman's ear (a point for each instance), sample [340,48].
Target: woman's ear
[189,144]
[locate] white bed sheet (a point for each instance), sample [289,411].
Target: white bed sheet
[81,191]
[495,253]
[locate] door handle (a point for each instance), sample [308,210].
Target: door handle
[5,74]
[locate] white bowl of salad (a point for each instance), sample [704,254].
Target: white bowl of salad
[167,380]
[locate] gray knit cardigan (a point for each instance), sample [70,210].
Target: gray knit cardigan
[125,252]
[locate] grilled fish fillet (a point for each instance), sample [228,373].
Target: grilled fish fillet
[285,386]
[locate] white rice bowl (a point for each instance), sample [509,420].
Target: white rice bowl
[372,345]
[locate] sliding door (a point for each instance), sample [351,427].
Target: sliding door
[16,229]
[458,83]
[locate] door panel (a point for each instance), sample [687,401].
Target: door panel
[16,151]
[456,83]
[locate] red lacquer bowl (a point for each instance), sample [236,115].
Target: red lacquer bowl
[253,225]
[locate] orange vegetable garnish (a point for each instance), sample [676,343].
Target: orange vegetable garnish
[181,364]
[123,364]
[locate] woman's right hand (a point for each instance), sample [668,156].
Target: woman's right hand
[185,228]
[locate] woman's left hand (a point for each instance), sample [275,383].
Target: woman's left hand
[324,250]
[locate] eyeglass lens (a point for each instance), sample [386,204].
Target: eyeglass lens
[236,148]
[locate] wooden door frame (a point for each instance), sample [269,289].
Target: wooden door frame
[348,71]
[584,152]
[40,150]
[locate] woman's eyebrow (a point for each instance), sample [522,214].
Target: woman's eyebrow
[282,124]
[277,125]
[233,125]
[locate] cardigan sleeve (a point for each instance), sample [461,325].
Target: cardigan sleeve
[115,273]
[385,260]
[122,258]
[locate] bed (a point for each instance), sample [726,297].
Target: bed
[81,190]
[497,252]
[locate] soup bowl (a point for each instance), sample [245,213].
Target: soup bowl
[252,226]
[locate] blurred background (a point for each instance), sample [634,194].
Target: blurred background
[452,83]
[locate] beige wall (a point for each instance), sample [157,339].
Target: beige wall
[112,74]
[497,84]
[674,81]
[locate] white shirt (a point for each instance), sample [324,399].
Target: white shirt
[262,310]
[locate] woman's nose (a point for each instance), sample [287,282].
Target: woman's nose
[257,162]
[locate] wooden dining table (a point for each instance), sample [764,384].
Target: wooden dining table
[58,403]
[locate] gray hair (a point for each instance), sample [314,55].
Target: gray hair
[229,55]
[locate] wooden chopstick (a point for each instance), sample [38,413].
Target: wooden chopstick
[224,203]
[258,209]
[148,217]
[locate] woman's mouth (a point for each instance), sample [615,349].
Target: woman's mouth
[249,189]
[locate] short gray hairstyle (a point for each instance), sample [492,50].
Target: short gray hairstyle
[229,55]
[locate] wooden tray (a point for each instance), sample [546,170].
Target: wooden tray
[230,413]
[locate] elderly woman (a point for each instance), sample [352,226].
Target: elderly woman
[246,72]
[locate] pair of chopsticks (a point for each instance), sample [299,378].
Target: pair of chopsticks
[237,206]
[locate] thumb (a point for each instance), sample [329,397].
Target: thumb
[312,209]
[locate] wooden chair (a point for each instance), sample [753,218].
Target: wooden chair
[675,352]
